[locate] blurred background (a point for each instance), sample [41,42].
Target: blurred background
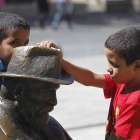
[81,35]
[28,10]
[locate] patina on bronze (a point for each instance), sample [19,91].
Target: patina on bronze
[28,94]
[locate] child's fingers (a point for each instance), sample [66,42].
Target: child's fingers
[43,43]
[47,44]
[51,45]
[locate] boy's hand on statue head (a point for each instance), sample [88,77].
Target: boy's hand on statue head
[50,44]
[47,44]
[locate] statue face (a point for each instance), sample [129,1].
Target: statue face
[36,101]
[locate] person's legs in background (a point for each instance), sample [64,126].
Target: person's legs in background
[40,21]
[58,15]
[43,12]
[68,15]
[68,19]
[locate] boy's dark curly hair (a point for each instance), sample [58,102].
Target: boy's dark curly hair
[10,21]
[126,43]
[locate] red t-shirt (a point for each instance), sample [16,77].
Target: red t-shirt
[124,112]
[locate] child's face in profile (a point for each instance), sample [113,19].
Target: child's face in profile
[16,37]
[118,69]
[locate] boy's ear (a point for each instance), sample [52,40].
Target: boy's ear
[137,65]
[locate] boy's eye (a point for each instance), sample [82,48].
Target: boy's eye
[26,43]
[115,66]
[14,42]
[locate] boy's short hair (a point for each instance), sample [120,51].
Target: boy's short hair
[126,43]
[10,21]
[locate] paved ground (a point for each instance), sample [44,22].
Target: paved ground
[82,110]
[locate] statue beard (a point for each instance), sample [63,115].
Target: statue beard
[33,118]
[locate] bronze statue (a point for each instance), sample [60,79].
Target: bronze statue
[28,94]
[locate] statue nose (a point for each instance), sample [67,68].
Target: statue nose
[53,99]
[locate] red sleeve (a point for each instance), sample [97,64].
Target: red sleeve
[110,87]
[128,123]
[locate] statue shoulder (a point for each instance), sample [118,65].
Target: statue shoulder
[54,130]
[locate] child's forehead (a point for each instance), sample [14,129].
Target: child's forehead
[107,49]
[16,29]
[113,53]
[18,32]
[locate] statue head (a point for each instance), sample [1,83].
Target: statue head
[31,80]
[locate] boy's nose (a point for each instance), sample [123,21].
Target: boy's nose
[109,69]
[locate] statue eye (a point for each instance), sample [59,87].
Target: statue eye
[19,91]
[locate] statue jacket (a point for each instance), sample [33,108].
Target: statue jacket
[9,130]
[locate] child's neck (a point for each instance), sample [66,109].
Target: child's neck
[131,87]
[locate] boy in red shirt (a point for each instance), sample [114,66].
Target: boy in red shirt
[122,84]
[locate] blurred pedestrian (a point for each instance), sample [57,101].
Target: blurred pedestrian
[64,8]
[43,8]
[2,3]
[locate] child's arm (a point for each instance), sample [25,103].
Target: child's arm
[81,75]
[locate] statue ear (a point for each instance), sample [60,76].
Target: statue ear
[3,91]
[17,90]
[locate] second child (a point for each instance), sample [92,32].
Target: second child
[14,32]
